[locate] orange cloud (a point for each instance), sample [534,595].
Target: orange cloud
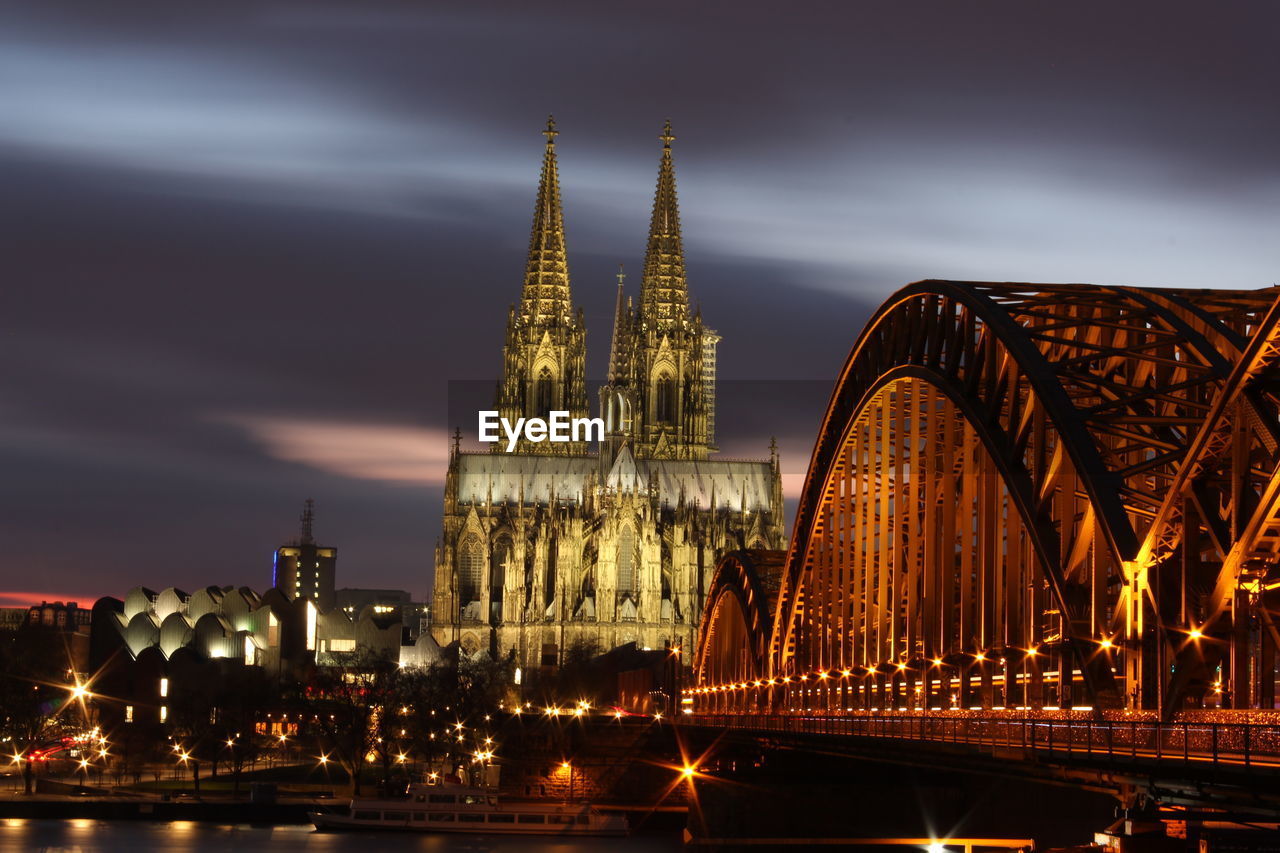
[388,453]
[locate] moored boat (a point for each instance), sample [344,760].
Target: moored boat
[447,807]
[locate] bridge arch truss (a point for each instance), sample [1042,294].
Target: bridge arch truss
[1029,496]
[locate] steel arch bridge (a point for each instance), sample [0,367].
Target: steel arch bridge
[1025,496]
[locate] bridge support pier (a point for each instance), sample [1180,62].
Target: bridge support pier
[1034,697]
[1009,694]
[1066,663]
[1240,657]
[987,682]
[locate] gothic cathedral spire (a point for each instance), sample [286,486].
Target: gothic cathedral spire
[661,391]
[545,298]
[664,293]
[544,358]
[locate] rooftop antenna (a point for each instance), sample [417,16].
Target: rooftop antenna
[308,516]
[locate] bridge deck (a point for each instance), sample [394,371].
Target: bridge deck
[1190,743]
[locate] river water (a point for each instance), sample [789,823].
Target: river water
[104,836]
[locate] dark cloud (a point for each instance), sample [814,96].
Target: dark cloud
[249,245]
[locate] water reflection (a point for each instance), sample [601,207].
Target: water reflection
[95,836]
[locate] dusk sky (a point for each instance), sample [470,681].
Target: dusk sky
[246,246]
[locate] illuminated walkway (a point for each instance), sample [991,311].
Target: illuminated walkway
[1188,743]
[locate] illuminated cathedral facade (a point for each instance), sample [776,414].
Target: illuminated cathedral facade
[596,545]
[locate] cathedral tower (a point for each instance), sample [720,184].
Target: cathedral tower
[662,369]
[544,359]
[546,554]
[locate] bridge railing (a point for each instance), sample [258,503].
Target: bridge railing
[1238,744]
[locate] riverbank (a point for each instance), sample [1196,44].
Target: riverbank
[287,811]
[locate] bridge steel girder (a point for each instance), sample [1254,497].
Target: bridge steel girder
[734,648]
[996,481]
[1231,481]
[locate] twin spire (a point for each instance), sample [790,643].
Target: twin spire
[664,294]
[545,299]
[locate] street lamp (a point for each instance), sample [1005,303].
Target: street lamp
[567,766]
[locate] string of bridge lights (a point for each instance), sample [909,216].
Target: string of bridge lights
[1104,644]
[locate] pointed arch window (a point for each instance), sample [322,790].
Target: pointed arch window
[544,392]
[552,579]
[470,569]
[665,402]
[627,562]
[499,560]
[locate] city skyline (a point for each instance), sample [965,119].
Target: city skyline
[244,282]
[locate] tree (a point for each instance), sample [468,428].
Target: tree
[193,723]
[244,693]
[346,703]
[38,705]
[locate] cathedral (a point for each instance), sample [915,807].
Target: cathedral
[593,545]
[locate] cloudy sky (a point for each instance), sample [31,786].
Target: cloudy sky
[246,246]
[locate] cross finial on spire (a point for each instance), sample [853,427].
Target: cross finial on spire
[622,276]
[551,133]
[667,136]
